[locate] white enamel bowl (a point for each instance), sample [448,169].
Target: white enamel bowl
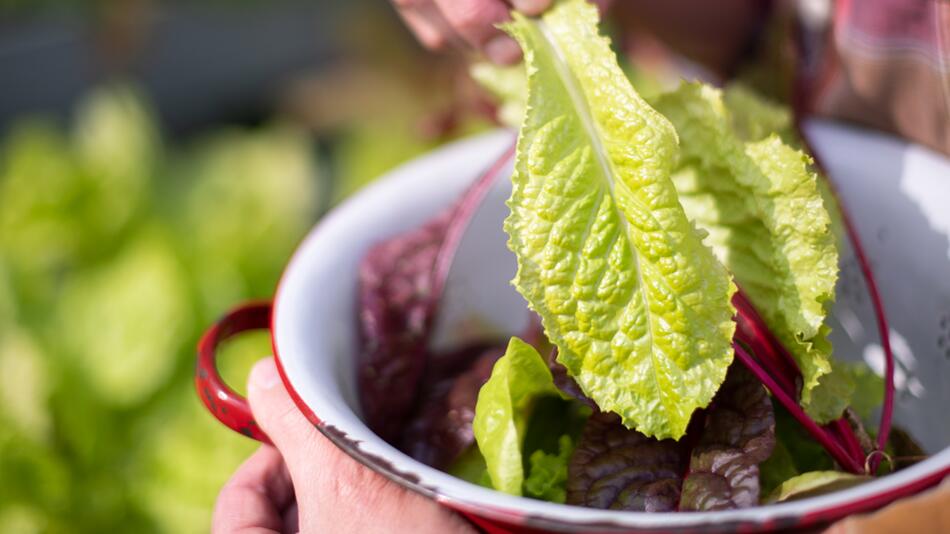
[898,195]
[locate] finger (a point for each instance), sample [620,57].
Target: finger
[279,418]
[255,498]
[927,512]
[602,5]
[427,23]
[292,518]
[332,490]
[475,20]
[536,7]
[531,7]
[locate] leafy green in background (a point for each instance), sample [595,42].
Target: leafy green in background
[507,85]
[115,251]
[795,453]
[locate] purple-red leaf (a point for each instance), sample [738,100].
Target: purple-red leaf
[714,467]
[400,285]
[442,429]
[617,468]
[737,435]
[397,303]
[564,381]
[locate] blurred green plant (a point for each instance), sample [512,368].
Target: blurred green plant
[115,251]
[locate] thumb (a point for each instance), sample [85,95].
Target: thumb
[335,492]
[279,418]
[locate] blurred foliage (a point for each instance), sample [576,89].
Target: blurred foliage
[384,100]
[115,251]
[118,248]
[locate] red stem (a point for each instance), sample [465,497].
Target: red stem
[755,333]
[775,359]
[846,435]
[887,409]
[758,347]
[821,435]
[785,357]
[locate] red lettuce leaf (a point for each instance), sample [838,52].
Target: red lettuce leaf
[397,305]
[737,435]
[400,285]
[441,430]
[616,468]
[565,382]
[713,467]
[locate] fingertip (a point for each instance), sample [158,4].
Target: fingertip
[531,7]
[275,411]
[602,5]
[502,50]
[428,26]
[279,417]
[263,375]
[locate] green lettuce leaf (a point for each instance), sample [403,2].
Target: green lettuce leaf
[766,221]
[814,483]
[470,466]
[637,305]
[754,118]
[246,194]
[805,453]
[832,395]
[840,389]
[778,468]
[848,384]
[547,476]
[117,143]
[24,383]
[502,411]
[66,203]
[507,85]
[142,294]
[868,389]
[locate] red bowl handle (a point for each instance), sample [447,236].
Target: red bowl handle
[223,402]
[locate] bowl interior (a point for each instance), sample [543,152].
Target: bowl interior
[895,193]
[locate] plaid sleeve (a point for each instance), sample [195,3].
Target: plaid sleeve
[881,63]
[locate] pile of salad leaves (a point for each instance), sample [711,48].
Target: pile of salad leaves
[680,257]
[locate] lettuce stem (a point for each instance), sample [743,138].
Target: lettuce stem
[834,448]
[753,331]
[887,408]
[846,436]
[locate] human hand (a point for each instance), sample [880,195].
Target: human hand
[439,24]
[927,512]
[304,482]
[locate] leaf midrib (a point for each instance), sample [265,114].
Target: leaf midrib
[583,112]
